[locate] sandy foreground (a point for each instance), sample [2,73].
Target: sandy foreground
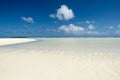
[61,59]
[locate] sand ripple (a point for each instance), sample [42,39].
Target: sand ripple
[61,59]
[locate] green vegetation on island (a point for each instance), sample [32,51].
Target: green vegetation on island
[19,37]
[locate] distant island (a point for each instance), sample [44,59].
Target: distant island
[19,37]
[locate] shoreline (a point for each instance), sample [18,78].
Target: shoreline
[9,41]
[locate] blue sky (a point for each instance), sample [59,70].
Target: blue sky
[55,18]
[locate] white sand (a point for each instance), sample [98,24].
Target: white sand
[8,41]
[61,59]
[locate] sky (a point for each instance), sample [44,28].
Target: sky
[60,18]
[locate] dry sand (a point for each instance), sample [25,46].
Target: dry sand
[61,59]
[8,41]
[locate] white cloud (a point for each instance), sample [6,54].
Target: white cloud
[89,22]
[77,30]
[119,26]
[92,21]
[54,30]
[91,27]
[63,13]
[117,32]
[92,33]
[47,29]
[29,19]
[52,16]
[72,29]
[111,27]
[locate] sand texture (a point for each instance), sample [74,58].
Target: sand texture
[8,41]
[61,59]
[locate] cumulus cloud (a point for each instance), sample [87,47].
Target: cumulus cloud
[111,27]
[53,30]
[28,19]
[119,26]
[52,16]
[71,29]
[77,30]
[47,29]
[91,27]
[117,32]
[89,22]
[63,13]
[92,33]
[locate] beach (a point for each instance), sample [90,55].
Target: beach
[8,41]
[60,59]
